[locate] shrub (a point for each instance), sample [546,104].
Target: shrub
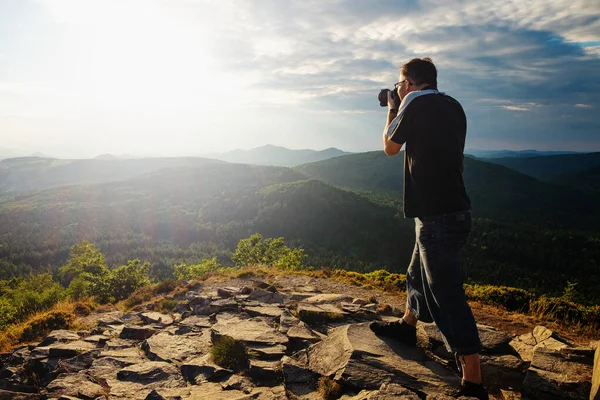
[35,327]
[512,299]
[140,296]
[166,286]
[329,389]
[229,353]
[566,312]
[166,305]
[185,272]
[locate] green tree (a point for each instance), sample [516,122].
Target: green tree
[84,257]
[271,251]
[126,279]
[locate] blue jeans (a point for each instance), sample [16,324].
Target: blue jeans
[434,280]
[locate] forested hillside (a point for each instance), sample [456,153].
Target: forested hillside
[548,167]
[526,233]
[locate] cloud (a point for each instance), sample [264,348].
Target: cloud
[333,57]
[515,108]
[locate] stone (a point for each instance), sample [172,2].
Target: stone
[137,332]
[266,311]
[199,301]
[355,356]
[62,336]
[78,363]
[182,308]
[9,395]
[286,321]
[298,296]
[195,323]
[360,302]
[359,313]
[303,332]
[329,298]
[98,340]
[223,305]
[295,368]
[595,391]
[246,290]
[76,385]
[493,340]
[387,391]
[255,330]
[202,369]
[307,288]
[564,374]
[315,314]
[156,318]
[264,296]
[504,371]
[227,292]
[235,382]
[167,347]
[266,352]
[152,371]
[72,349]
[541,336]
[266,373]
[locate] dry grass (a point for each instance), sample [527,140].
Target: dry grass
[62,315]
[329,389]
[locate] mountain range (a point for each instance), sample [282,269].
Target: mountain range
[344,211]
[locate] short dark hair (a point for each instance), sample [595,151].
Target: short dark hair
[420,70]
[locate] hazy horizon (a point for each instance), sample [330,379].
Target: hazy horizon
[80,78]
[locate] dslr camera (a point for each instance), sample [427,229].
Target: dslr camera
[383,97]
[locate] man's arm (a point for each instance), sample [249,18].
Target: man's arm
[390,147]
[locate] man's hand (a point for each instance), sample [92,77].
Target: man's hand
[390,147]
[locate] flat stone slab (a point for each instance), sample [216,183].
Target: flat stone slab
[329,298]
[264,311]
[265,297]
[493,340]
[202,369]
[137,332]
[62,336]
[354,355]
[151,371]
[71,349]
[303,332]
[156,318]
[255,330]
[313,313]
[167,347]
[75,385]
[564,374]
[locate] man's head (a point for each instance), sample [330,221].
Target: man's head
[415,75]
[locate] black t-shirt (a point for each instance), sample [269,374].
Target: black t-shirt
[434,128]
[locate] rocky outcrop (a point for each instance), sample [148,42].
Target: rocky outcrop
[292,339]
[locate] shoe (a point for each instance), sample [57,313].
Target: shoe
[470,389]
[398,330]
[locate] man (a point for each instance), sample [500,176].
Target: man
[433,126]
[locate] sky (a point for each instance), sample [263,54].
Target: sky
[80,78]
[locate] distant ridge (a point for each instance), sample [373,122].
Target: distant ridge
[278,156]
[515,153]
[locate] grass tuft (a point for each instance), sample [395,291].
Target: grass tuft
[229,353]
